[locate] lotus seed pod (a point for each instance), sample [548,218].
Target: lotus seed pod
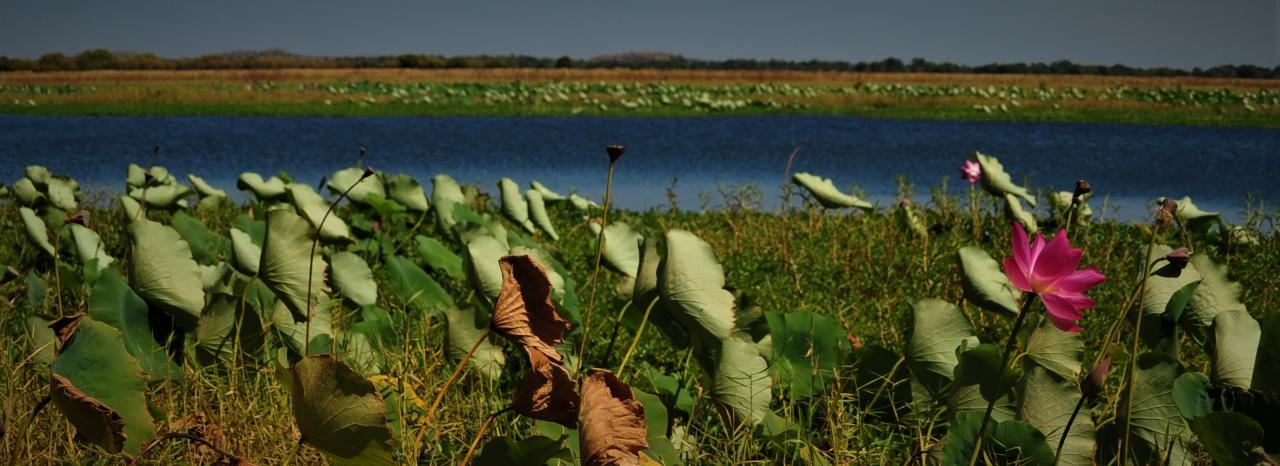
[1178,257]
[615,151]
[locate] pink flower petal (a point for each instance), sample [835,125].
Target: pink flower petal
[1037,247]
[1060,308]
[1021,255]
[1081,281]
[1065,325]
[1015,275]
[1077,301]
[1055,262]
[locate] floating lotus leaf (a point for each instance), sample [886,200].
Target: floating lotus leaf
[36,231]
[246,255]
[1056,350]
[353,278]
[99,387]
[692,287]
[407,191]
[938,328]
[827,194]
[445,195]
[61,194]
[340,413]
[313,208]
[439,257]
[286,253]
[547,392]
[27,192]
[1215,295]
[985,284]
[997,182]
[113,303]
[1156,424]
[415,288]
[89,246]
[547,194]
[807,348]
[483,254]
[465,330]
[343,179]
[741,381]
[613,428]
[524,312]
[163,273]
[1235,348]
[621,247]
[204,188]
[1046,402]
[538,214]
[269,190]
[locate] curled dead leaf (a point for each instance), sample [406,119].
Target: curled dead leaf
[547,392]
[613,429]
[93,420]
[64,328]
[524,312]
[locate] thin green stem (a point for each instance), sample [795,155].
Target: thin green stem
[435,405]
[617,325]
[639,331]
[480,434]
[595,271]
[1066,430]
[1004,365]
[1133,349]
[311,263]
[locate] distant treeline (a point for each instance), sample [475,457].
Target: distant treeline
[101,59]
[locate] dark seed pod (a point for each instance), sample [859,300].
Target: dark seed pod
[368,171]
[1082,187]
[1164,216]
[79,218]
[615,151]
[1178,257]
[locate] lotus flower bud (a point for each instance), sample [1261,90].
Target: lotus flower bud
[1164,216]
[855,342]
[1082,188]
[79,218]
[1097,378]
[1178,257]
[9,275]
[615,151]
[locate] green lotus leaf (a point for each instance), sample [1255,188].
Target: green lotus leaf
[1060,202]
[340,413]
[293,331]
[538,214]
[1191,395]
[1058,351]
[984,283]
[415,288]
[164,196]
[1026,218]
[36,231]
[646,283]
[1008,442]
[99,386]
[343,179]
[286,253]
[980,379]
[445,195]
[741,381]
[582,203]
[43,341]
[113,303]
[224,327]
[268,190]
[1232,439]
[407,191]
[313,208]
[691,284]
[132,209]
[807,347]
[655,416]
[1046,401]
[468,225]
[61,194]
[1264,378]
[136,176]
[547,194]
[207,247]
[163,273]
[1234,348]
[938,328]
[246,255]
[439,257]
[997,182]
[514,206]
[1193,218]
[538,449]
[359,353]
[89,246]
[1164,291]
[483,253]
[38,175]
[1156,424]
[27,192]
[1215,295]
[827,194]
[465,329]
[353,278]
[204,188]
[621,247]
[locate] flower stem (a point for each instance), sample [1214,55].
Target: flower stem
[311,265]
[1133,349]
[1004,364]
[595,272]
[977,214]
[1066,430]
[639,331]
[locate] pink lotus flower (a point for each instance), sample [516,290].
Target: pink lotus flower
[1049,270]
[971,171]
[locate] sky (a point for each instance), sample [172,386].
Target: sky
[1146,33]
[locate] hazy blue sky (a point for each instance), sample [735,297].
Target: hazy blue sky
[1182,33]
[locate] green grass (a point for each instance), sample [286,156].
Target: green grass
[863,270]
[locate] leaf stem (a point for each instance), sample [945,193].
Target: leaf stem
[480,434]
[595,272]
[1004,365]
[311,262]
[431,412]
[639,331]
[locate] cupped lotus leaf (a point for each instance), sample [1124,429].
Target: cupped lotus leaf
[646,283]
[89,246]
[340,413]
[547,194]
[43,342]
[741,380]
[1215,295]
[1055,350]
[268,190]
[136,177]
[807,348]
[999,183]
[414,287]
[621,247]
[538,214]
[204,188]
[27,192]
[163,273]
[514,206]
[207,247]
[483,254]
[293,331]
[132,209]
[468,225]
[1235,348]
[466,332]
[984,283]
[164,196]
[1156,424]
[36,231]
[39,175]
[113,303]
[314,209]
[61,194]
[344,179]
[691,284]
[1166,287]
[938,328]
[613,428]
[581,203]
[212,277]
[246,255]
[224,328]
[547,392]
[524,312]
[538,449]
[1193,218]
[353,278]
[1046,402]
[99,386]
[827,194]
[286,255]
[980,379]
[445,194]
[1023,216]
[1062,208]
[439,257]
[407,191]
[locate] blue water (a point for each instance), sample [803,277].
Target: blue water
[1129,163]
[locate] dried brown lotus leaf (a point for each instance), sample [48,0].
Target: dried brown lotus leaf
[547,392]
[93,420]
[613,429]
[524,312]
